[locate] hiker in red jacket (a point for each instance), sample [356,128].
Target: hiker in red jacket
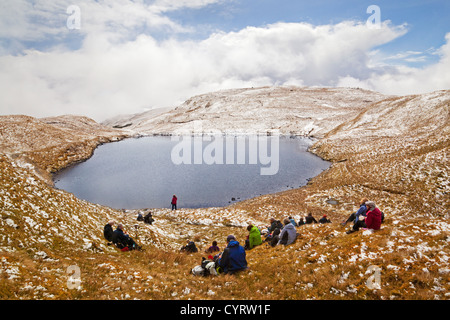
[174,202]
[373,218]
[372,221]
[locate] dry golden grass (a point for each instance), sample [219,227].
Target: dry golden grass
[45,231]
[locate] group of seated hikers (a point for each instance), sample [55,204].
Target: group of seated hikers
[233,257]
[285,233]
[230,261]
[120,237]
[148,218]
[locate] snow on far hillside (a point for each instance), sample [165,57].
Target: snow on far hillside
[21,133]
[393,150]
[119,121]
[288,110]
[52,143]
[418,114]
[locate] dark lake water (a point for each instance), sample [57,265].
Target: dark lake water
[202,171]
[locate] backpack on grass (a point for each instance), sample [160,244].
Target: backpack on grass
[206,268]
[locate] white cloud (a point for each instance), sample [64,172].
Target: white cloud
[170,5]
[19,19]
[316,55]
[120,69]
[403,80]
[24,20]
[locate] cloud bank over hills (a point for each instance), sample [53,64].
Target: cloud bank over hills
[127,57]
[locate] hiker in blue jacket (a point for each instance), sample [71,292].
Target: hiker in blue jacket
[355,216]
[233,257]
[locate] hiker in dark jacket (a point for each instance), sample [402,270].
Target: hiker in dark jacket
[189,247]
[233,258]
[310,219]
[148,218]
[274,224]
[324,219]
[108,231]
[274,237]
[122,240]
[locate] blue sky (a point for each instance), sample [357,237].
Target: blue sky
[127,56]
[427,20]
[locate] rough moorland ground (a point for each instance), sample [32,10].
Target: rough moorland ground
[394,152]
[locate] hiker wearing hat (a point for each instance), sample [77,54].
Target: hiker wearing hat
[233,257]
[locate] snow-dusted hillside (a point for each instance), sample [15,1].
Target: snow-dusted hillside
[392,143]
[50,144]
[289,110]
[412,115]
[393,150]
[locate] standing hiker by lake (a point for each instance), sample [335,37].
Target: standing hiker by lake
[174,202]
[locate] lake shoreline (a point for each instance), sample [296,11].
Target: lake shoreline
[310,141]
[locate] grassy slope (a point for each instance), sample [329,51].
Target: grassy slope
[44,231]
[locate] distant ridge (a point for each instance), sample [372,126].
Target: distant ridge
[305,111]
